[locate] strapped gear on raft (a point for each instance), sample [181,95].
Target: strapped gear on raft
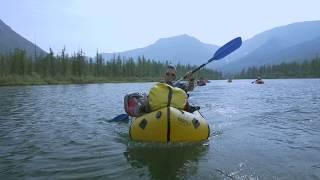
[136,104]
[158,97]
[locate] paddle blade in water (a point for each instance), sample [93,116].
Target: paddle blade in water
[121,118]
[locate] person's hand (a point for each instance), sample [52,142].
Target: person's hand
[189,75]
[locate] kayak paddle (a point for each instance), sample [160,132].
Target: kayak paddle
[219,54]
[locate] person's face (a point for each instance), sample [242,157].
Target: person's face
[170,75]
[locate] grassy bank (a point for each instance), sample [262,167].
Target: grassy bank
[38,80]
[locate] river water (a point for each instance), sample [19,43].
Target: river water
[269,131]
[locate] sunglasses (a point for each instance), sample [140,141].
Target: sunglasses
[171,74]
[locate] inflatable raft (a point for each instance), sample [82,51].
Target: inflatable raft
[259,82]
[169,124]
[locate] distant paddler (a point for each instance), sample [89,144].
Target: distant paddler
[258,81]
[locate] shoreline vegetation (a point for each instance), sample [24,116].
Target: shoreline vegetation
[16,80]
[16,68]
[305,69]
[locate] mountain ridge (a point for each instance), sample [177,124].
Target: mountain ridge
[10,40]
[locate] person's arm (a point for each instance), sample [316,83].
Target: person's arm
[190,86]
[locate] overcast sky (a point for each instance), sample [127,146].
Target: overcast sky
[120,25]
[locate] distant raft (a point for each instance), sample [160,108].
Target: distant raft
[169,125]
[201,83]
[259,81]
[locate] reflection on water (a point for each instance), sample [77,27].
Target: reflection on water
[166,161]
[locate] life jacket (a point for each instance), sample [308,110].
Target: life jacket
[163,95]
[136,104]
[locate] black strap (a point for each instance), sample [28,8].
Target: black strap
[169,96]
[168,113]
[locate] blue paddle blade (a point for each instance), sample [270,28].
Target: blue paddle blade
[121,118]
[227,49]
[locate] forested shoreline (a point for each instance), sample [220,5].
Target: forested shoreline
[16,68]
[306,69]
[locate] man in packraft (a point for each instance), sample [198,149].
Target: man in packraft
[170,77]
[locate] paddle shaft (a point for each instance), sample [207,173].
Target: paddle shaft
[195,70]
[219,54]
